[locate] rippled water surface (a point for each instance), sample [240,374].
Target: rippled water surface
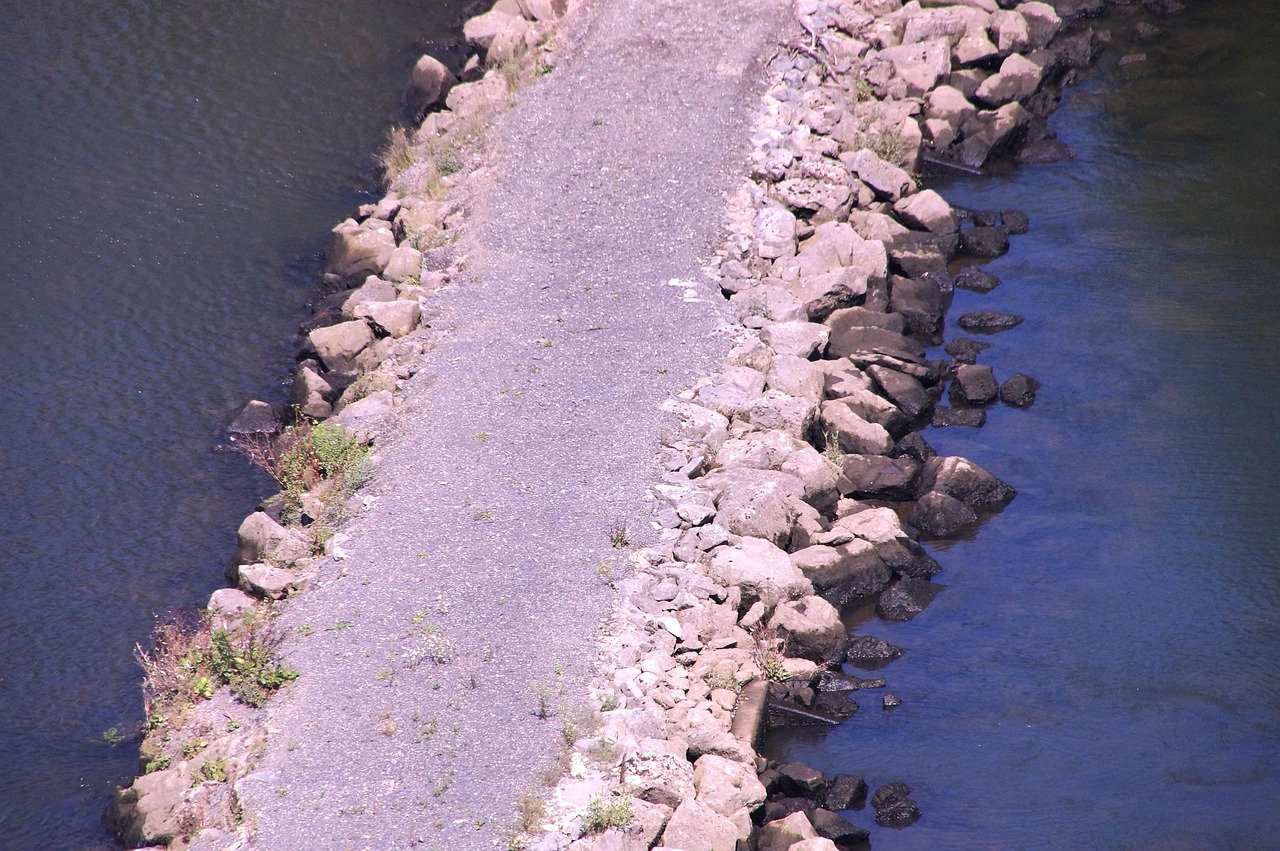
[168,174]
[1102,669]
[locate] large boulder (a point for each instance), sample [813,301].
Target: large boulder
[726,785]
[359,251]
[921,302]
[811,628]
[834,245]
[761,570]
[785,833]
[906,392]
[871,653]
[920,66]
[756,503]
[906,598]
[150,811]
[821,294]
[853,433]
[774,409]
[927,210]
[855,567]
[429,83]
[880,477]
[974,384]
[822,479]
[796,376]
[967,482]
[941,515]
[658,771]
[396,318]
[263,540]
[338,345]
[888,180]
[694,826]
[850,340]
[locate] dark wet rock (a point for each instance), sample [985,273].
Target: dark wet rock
[890,701]
[875,682]
[988,322]
[906,598]
[861,317]
[837,682]
[903,390]
[801,779]
[837,828]
[1019,390]
[914,445]
[921,302]
[974,384]
[1044,152]
[1144,30]
[846,792]
[984,241]
[893,805]
[907,558]
[966,417]
[976,280]
[255,418]
[915,254]
[880,477]
[941,515]
[780,808]
[967,482]
[1164,7]
[1070,10]
[1078,50]
[848,340]
[965,349]
[980,218]
[1015,222]
[870,653]
[838,705]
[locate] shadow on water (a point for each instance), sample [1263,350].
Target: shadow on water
[170,172]
[1102,669]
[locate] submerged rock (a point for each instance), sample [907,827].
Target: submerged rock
[984,241]
[870,653]
[1019,390]
[940,515]
[976,280]
[965,349]
[988,322]
[893,805]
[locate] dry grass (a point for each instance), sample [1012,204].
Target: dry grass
[397,154]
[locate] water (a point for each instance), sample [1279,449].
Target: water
[168,175]
[1101,670]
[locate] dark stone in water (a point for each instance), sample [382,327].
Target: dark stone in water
[968,417]
[1164,7]
[976,280]
[1144,30]
[907,558]
[988,322]
[1076,51]
[903,390]
[1071,9]
[967,482]
[891,701]
[979,218]
[941,515]
[255,418]
[1019,391]
[893,805]
[837,828]
[914,446]
[973,385]
[846,792]
[1015,222]
[878,477]
[906,598]
[783,807]
[965,349]
[984,241]
[869,652]
[920,301]
[1044,152]
[838,705]
[837,682]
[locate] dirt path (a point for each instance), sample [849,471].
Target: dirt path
[532,433]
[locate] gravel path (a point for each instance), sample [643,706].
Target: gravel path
[532,432]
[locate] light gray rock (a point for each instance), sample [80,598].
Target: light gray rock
[869,523]
[828,200]
[823,481]
[362,419]
[429,82]
[926,209]
[1011,33]
[796,376]
[920,66]
[854,434]
[800,339]
[756,503]
[785,833]
[396,318]
[886,179]
[481,30]
[834,245]
[770,301]
[373,289]
[338,345]
[694,826]
[310,394]
[263,540]
[405,265]
[1017,79]
[811,628]
[482,98]
[267,582]
[831,566]
[150,811]
[761,569]
[877,227]
[1042,20]
[658,772]
[727,786]
[358,250]
[775,232]
[821,294]
[231,601]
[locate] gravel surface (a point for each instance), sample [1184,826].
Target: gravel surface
[532,433]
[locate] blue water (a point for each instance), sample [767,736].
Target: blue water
[1101,670]
[168,175]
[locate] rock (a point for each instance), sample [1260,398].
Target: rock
[796,376]
[837,566]
[888,180]
[940,515]
[905,599]
[914,446]
[774,409]
[774,303]
[255,418]
[405,265]
[359,251]
[802,339]
[1043,23]
[509,44]
[784,833]
[429,82]
[848,340]
[657,771]
[837,828]
[1012,35]
[1015,221]
[907,558]
[825,199]
[1019,390]
[988,322]
[973,385]
[374,289]
[921,302]
[818,843]
[984,241]
[267,582]
[880,477]
[231,601]
[478,99]
[263,540]
[853,433]
[823,481]
[396,318]
[890,701]
[927,210]
[726,786]
[966,417]
[965,349]
[834,245]
[775,233]
[756,503]
[861,317]
[365,417]
[780,808]
[976,280]
[846,792]
[893,806]
[481,30]
[543,10]
[920,66]
[876,226]
[1017,80]
[310,393]
[811,629]
[822,294]
[906,392]
[761,570]
[870,653]
[694,826]
[967,482]
[150,811]
[338,345]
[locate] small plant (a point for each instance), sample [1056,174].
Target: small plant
[831,447]
[618,535]
[233,725]
[305,629]
[158,763]
[191,747]
[602,814]
[428,730]
[307,455]
[543,692]
[396,155]
[387,724]
[609,703]
[721,680]
[890,146]
[212,771]
[482,514]
[862,90]
[112,737]
[480,436]
[448,161]
[339,626]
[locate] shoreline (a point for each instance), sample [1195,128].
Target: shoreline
[750,475]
